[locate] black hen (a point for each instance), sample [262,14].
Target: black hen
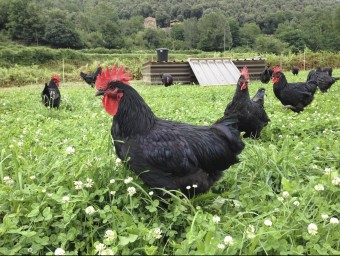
[295,70]
[266,75]
[166,154]
[167,79]
[252,117]
[294,96]
[324,80]
[91,78]
[51,95]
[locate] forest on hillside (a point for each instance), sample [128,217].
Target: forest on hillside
[273,26]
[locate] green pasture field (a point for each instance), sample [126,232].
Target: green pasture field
[63,190]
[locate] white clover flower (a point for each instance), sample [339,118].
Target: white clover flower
[296,203]
[157,233]
[89,183]
[324,216]
[250,232]
[90,210]
[319,187]
[312,229]
[188,187]
[32,177]
[268,223]
[221,246]
[112,193]
[106,252]
[328,171]
[216,219]
[151,193]
[334,220]
[100,248]
[70,150]
[78,184]
[118,161]
[128,180]
[285,194]
[336,181]
[228,240]
[237,204]
[20,143]
[112,181]
[194,185]
[8,180]
[59,251]
[65,199]
[110,235]
[131,191]
[280,198]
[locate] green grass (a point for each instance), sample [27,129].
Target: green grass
[38,169]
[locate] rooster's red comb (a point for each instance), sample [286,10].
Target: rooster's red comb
[56,77]
[113,75]
[244,72]
[277,69]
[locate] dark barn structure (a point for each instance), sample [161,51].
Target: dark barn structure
[182,72]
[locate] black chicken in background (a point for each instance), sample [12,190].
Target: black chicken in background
[91,78]
[329,70]
[294,96]
[324,80]
[266,75]
[295,70]
[51,95]
[166,154]
[167,79]
[252,117]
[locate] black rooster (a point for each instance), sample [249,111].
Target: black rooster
[167,79]
[295,70]
[166,154]
[252,117]
[91,79]
[51,95]
[294,96]
[324,80]
[329,70]
[266,75]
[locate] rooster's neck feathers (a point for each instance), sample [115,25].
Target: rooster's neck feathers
[134,116]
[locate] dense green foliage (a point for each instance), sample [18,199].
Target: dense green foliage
[205,25]
[285,181]
[21,65]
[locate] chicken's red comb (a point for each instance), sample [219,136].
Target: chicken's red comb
[277,69]
[113,75]
[56,77]
[244,73]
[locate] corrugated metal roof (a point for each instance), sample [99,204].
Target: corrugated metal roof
[216,71]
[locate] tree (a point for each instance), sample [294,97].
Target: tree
[269,44]
[61,32]
[214,32]
[25,22]
[336,29]
[294,36]
[248,34]
[191,36]
[153,37]
[177,32]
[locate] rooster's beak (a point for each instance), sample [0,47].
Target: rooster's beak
[100,92]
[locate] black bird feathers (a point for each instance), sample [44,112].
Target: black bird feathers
[166,154]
